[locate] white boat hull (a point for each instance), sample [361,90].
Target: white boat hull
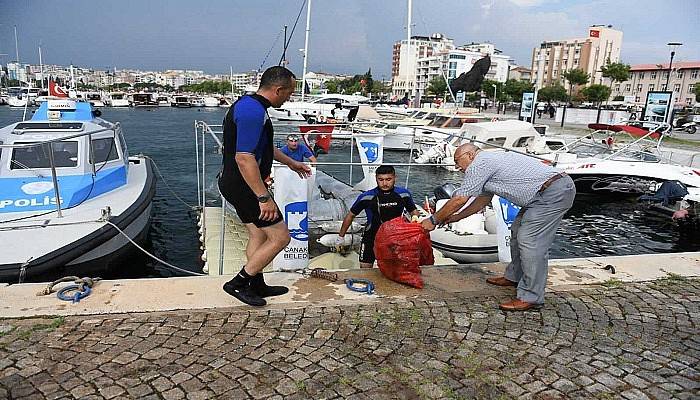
[466,248]
[78,243]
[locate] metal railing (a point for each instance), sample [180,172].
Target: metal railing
[202,130]
[52,162]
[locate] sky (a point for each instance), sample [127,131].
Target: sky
[346,36]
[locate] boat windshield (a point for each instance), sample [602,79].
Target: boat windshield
[65,154]
[438,121]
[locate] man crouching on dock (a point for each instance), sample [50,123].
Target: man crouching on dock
[248,153]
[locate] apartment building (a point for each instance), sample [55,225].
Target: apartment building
[405,56]
[589,54]
[456,61]
[645,78]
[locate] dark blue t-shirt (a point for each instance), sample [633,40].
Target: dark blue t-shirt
[298,154]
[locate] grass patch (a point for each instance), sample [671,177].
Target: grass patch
[12,329]
[50,327]
[300,385]
[344,381]
[672,279]
[612,283]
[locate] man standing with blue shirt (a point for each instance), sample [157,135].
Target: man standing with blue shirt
[247,160]
[381,204]
[544,194]
[297,151]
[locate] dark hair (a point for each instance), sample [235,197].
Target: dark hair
[276,76]
[385,170]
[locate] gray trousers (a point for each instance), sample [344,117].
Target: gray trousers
[532,234]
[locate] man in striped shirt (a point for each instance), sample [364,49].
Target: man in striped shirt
[544,194]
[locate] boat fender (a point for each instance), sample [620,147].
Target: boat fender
[329,239]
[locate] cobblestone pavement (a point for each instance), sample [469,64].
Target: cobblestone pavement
[632,341]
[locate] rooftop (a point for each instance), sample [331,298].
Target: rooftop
[664,65]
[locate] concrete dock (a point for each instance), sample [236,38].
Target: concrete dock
[634,334]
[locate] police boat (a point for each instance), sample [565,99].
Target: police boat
[71,197]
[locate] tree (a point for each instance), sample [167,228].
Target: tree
[437,86]
[596,93]
[555,92]
[697,92]
[515,88]
[332,85]
[487,87]
[617,72]
[575,77]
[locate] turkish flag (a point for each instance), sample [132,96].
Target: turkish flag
[323,144]
[55,90]
[594,33]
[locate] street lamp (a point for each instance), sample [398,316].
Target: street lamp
[673,46]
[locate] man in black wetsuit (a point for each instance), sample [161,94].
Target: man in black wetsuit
[248,154]
[381,204]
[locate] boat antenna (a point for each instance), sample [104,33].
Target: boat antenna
[291,34]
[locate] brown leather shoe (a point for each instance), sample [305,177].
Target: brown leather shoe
[501,281]
[518,305]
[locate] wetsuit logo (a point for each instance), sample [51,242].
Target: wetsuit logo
[296,217]
[371,150]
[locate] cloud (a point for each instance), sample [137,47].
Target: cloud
[486,7]
[528,3]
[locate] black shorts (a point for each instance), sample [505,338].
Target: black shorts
[367,246]
[248,208]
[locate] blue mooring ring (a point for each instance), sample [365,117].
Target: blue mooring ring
[367,288]
[81,292]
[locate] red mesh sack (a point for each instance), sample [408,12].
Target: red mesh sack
[400,248]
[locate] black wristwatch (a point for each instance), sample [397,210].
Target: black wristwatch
[264,198]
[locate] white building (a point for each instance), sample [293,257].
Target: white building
[17,71]
[316,81]
[456,61]
[405,58]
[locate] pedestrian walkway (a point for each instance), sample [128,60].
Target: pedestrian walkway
[614,340]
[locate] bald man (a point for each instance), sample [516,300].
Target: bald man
[545,195]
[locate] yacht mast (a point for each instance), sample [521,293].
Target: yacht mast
[16,49]
[41,69]
[306,50]
[409,71]
[231,79]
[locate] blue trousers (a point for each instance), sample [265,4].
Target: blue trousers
[532,235]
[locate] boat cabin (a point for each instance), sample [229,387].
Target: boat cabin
[88,154]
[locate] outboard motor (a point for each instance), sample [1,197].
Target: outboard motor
[444,192]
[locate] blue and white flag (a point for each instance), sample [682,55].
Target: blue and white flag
[371,149]
[506,212]
[291,195]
